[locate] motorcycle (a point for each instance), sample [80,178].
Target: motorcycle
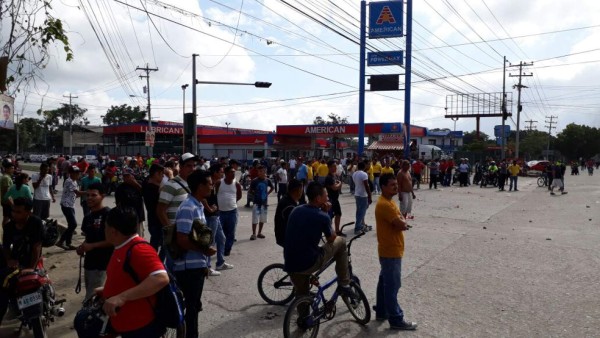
[489,178]
[34,300]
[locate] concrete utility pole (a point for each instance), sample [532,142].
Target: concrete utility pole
[550,122]
[519,106]
[71,97]
[530,128]
[147,69]
[504,109]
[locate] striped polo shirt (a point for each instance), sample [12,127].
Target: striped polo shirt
[191,209]
[173,194]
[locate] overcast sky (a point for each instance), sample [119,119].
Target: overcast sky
[312,60]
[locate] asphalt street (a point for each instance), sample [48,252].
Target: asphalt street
[478,263]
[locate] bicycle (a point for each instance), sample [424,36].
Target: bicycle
[274,284]
[542,181]
[306,313]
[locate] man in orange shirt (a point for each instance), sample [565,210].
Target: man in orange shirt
[390,246]
[417,168]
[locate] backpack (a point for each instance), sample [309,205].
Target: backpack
[49,232]
[170,304]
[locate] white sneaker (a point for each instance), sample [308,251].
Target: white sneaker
[214,273]
[225,266]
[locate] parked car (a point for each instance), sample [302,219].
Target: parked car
[536,168]
[91,159]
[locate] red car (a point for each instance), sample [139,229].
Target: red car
[536,167]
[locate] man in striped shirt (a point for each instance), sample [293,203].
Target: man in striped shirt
[175,191]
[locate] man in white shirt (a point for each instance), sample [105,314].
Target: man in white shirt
[362,195]
[282,178]
[292,167]
[42,194]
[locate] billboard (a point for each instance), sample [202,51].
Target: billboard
[8,108]
[385,19]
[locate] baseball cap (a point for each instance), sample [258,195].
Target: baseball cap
[127,171]
[187,157]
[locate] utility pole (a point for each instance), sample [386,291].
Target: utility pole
[17,130]
[531,122]
[147,69]
[71,97]
[519,106]
[194,108]
[550,122]
[504,110]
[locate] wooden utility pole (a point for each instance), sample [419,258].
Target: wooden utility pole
[519,106]
[148,115]
[530,128]
[550,122]
[71,97]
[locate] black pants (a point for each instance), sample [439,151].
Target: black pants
[433,180]
[191,283]
[69,213]
[501,181]
[282,191]
[3,304]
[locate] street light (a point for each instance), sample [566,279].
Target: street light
[227,124]
[257,84]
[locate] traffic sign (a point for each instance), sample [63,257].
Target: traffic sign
[391,58]
[385,19]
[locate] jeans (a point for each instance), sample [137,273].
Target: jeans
[513,179]
[387,290]
[151,330]
[191,283]
[362,203]
[229,221]
[69,213]
[85,208]
[376,184]
[214,224]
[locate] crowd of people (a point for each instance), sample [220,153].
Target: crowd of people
[176,197]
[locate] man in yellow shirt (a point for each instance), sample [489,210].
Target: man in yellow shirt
[376,174]
[322,171]
[386,168]
[390,246]
[513,170]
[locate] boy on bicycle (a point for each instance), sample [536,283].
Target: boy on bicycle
[302,253]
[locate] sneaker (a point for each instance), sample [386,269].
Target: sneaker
[224,266]
[346,291]
[552,193]
[359,231]
[260,236]
[404,325]
[563,192]
[367,228]
[214,273]
[253,237]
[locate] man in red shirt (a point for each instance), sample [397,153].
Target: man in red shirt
[417,168]
[134,302]
[82,164]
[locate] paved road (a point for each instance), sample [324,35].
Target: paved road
[478,263]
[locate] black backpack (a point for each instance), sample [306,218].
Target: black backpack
[49,232]
[170,304]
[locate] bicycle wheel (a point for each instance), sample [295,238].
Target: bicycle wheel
[275,285]
[299,320]
[541,181]
[359,306]
[178,332]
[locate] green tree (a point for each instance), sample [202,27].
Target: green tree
[577,141]
[471,136]
[59,118]
[29,133]
[532,143]
[30,32]
[123,114]
[332,118]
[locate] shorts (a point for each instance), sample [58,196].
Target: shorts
[259,214]
[336,208]
[406,203]
[558,183]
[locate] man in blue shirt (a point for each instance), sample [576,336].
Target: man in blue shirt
[192,266]
[302,253]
